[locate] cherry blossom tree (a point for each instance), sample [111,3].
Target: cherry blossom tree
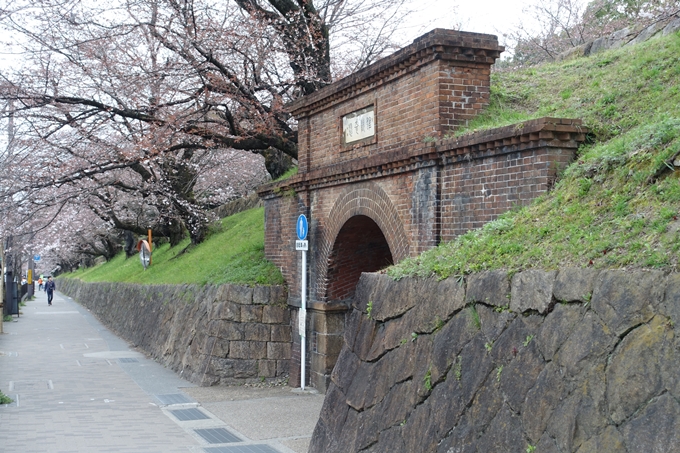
[130,109]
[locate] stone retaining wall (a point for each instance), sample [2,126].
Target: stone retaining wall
[208,334]
[557,362]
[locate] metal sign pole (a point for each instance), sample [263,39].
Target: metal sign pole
[302,227]
[303,320]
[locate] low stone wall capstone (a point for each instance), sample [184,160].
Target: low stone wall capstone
[578,360]
[208,334]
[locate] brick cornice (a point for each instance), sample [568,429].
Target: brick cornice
[542,132]
[465,48]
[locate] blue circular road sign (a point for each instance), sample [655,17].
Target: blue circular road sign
[302,227]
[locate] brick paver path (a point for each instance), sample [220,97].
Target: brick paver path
[78,388]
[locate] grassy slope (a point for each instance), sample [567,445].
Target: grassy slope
[235,254]
[618,205]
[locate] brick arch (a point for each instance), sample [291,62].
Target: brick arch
[364,199]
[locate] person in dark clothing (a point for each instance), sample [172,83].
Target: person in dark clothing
[50,286]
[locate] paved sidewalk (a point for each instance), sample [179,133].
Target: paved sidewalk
[78,388]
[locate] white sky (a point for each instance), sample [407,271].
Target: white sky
[494,17]
[481,16]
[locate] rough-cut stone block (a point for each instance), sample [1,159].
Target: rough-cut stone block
[275,315]
[541,401]
[610,440]
[418,430]
[261,295]
[490,287]
[278,295]
[671,304]
[226,311]
[532,290]
[345,368]
[220,349]
[504,434]
[282,367]
[647,33]
[278,351]
[449,295]
[655,428]
[281,333]
[240,294]
[493,323]
[448,343]
[590,341]
[248,350]
[244,369]
[331,420]
[557,327]
[266,368]
[364,338]
[231,331]
[221,367]
[634,375]
[626,299]
[367,284]
[476,364]
[574,284]
[519,376]
[251,313]
[256,332]
[390,335]
[352,327]
[390,298]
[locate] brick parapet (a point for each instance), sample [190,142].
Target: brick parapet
[465,48]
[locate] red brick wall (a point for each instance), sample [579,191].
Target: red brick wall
[432,95]
[478,191]
[280,215]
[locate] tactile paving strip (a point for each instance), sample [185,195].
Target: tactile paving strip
[127,360]
[217,436]
[174,398]
[255,448]
[184,415]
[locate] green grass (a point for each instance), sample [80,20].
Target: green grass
[618,204]
[232,254]
[4,399]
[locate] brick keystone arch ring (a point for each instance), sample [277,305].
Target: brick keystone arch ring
[370,200]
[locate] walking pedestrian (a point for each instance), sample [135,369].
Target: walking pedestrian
[40,284]
[50,286]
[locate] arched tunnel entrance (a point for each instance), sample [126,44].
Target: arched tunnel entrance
[359,247]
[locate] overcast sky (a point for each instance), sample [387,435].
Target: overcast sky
[482,16]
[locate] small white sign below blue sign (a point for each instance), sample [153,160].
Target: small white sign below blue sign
[302,227]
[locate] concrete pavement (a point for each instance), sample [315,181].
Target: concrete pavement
[78,388]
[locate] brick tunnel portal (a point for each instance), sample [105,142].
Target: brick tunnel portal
[359,247]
